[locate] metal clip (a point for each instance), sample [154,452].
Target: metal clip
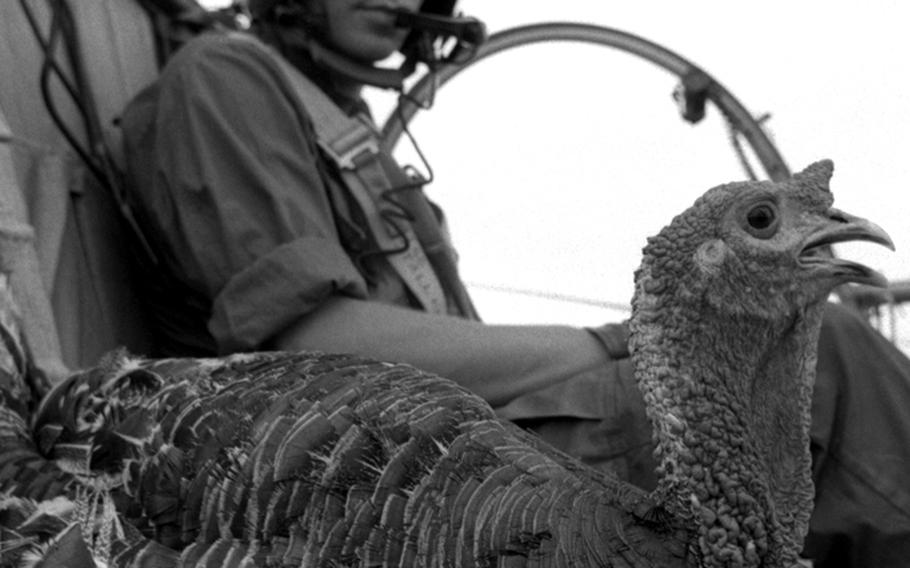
[345,150]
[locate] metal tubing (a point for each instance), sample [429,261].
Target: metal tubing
[740,118]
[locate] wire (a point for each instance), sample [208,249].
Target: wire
[46,50]
[733,136]
[428,179]
[96,157]
[51,68]
[397,212]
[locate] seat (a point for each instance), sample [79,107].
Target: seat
[71,273]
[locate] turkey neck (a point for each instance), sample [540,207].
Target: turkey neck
[729,399]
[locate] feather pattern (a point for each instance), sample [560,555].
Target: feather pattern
[310,459]
[304,459]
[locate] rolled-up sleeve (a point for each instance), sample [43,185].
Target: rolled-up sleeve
[238,193]
[276,289]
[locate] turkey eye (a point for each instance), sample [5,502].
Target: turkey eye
[762,220]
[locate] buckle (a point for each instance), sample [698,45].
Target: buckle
[345,150]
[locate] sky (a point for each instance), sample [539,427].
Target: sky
[554,161]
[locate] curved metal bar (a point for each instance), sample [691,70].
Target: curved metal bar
[740,118]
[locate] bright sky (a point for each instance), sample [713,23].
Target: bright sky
[554,162]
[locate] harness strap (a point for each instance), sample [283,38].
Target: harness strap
[352,143]
[366,179]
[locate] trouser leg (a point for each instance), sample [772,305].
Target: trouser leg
[620,441]
[860,447]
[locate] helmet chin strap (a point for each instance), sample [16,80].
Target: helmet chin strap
[354,70]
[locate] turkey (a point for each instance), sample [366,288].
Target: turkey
[307,459]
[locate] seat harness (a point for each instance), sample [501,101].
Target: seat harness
[427,264]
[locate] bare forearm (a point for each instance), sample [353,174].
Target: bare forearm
[498,362]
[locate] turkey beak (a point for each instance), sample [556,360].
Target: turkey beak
[838,228]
